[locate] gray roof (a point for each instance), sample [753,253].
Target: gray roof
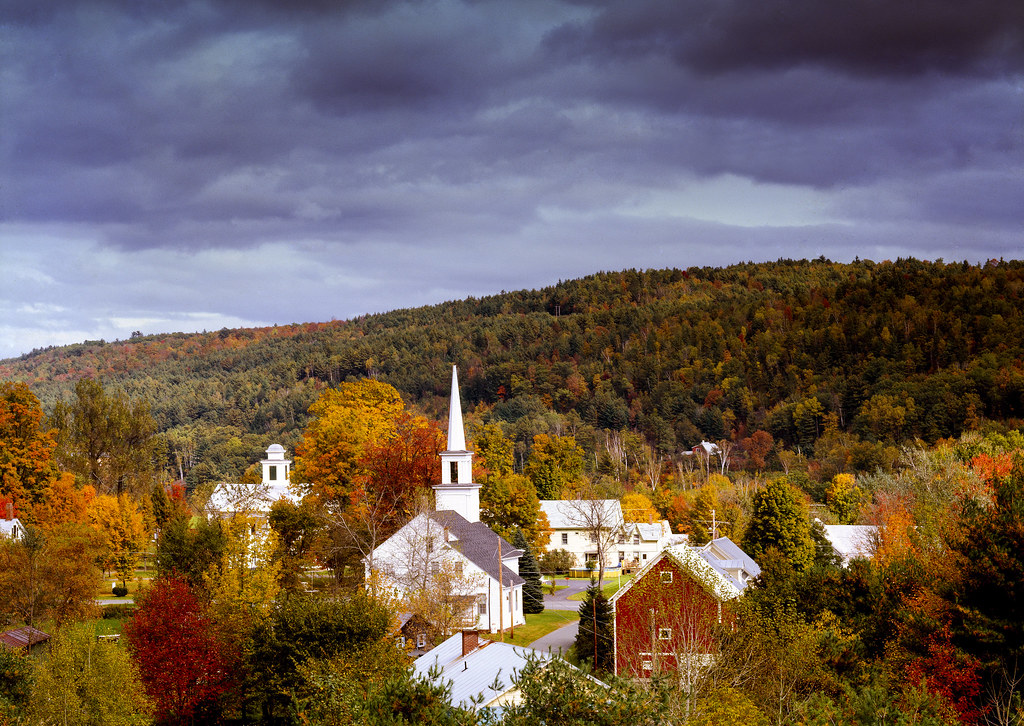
[478,543]
[851,541]
[726,554]
[572,513]
[473,674]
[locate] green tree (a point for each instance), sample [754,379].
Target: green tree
[16,678]
[533,591]
[188,547]
[594,638]
[88,682]
[509,502]
[297,526]
[555,464]
[780,520]
[844,498]
[106,440]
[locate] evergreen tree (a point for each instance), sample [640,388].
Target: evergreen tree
[533,591]
[780,520]
[594,639]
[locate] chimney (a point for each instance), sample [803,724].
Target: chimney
[10,510]
[470,641]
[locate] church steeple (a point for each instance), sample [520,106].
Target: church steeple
[457,490]
[456,431]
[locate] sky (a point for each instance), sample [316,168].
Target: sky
[187,165]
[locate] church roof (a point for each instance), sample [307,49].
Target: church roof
[478,543]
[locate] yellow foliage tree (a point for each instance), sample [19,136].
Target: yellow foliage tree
[244,583]
[636,507]
[344,421]
[122,523]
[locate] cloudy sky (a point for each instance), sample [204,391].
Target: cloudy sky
[194,164]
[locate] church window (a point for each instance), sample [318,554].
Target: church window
[454,471]
[272,474]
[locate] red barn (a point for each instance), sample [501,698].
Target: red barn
[665,618]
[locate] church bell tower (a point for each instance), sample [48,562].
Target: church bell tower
[457,491]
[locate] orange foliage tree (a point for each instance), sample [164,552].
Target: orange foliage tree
[26,450]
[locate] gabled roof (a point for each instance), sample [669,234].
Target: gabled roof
[567,514]
[473,674]
[705,568]
[478,543]
[22,638]
[649,532]
[9,526]
[727,555]
[851,541]
[255,498]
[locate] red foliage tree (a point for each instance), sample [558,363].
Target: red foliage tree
[185,665]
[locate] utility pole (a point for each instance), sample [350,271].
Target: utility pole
[501,595]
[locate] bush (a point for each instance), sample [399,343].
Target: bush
[556,561]
[119,591]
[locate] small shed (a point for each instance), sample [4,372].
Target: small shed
[24,639]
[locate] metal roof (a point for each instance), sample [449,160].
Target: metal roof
[573,514]
[475,674]
[22,638]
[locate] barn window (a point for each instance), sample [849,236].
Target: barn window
[647,665]
[666,577]
[664,633]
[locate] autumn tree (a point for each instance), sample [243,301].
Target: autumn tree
[27,466]
[844,498]
[106,440]
[16,677]
[244,583]
[186,664]
[63,503]
[50,575]
[780,520]
[298,526]
[636,507]
[88,681]
[120,522]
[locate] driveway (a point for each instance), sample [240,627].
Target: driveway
[557,641]
[560,600]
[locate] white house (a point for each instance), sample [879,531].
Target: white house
[10,526]
[480,673]
[641,541]
[452,540]
[585,528]
[852,541]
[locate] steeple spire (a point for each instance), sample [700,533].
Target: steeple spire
[456,431]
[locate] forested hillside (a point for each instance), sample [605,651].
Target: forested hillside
[822,356]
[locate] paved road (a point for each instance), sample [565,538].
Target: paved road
[560,600]
[557,641]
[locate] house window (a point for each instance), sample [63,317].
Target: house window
[666,577]
[644,556]
[593,536]
[636,539]
[272,473]
[458,568]
[622,556]
[400,642]
[481,605]
[647,665]
[435,568]
[421,640]
[664,633]
[453,468]
[565,538]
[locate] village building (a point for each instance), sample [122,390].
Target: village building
[588,529]
[852,541]
[10,526]
[479,570]
[231,498]
[641,541]
[25,639]
[665,619]
[480,673]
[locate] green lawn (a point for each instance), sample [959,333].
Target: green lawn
[537,626]
[610,587]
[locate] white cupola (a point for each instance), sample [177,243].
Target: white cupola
[276,468]
[457,492]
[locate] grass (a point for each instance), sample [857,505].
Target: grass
[610,587]
[537,626]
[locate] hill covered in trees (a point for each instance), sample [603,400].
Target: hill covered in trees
[838,362]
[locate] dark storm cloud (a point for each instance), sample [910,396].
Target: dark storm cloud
[352,152]
[876,37]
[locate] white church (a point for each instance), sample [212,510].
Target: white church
[452,539]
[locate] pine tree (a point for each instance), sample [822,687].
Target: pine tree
[533,591]
[594,639]
[780,520]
